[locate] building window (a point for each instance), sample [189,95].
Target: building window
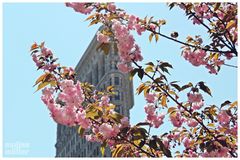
[116,81]
[117,96]
[85,152]
[117,109]
[110,81]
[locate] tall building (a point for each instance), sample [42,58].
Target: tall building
[100,70]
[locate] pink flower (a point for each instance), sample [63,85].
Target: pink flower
[197,105]
[104,101]
[102,38]
[124,122]
[46,52]
[127,48]
[222,152]
[192,123]
[194,97]
[196,100]
[108,130]
[64,116]
[191,153]
[150,108]
[137,54]
[196,58]
[177,119]
[80,7]
[124,68]
[197,21]
[47,95]
[152,27]
[150,97]
[158,120]
[223,118]
[36,60]
[229,55]
[166,143]
[140,29]
[71,94]
[186,142]
[111,7]
[154,119]
[91,138]
[82,120]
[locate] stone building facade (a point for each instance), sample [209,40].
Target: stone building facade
[100,70]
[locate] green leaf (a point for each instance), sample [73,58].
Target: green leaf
[186,86]
[151,36]
[225,103]
[140,73]
[171,109]
[211,125]
[156,37]
[177,87]
[81,131]
[116,117]
[41,78]
[166,151]
[149,69]
[230,24]
[95,21]
[103,147]
[105,47]
[153,144]
[93,113]
[204,88]
[164,100]
[110,88]
[132,73]
[117,150]
[150,63]
[42,85]
[166,64]
[34,46]
[216,6]
[90,17]
[143,124]
[141,144]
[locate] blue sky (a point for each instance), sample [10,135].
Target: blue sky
[25,118]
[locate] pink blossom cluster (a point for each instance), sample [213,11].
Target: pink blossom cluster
[134,24]
[106,131]
[127,48]
[221,152]
[102,38]
[177,119]
[215,63]
[66,109]
[192,123]
[152,117]
[151,97]
[186,142]
[223,118]
[109,131]
[202,12]
[196,100]
[196,58]
[44,59]
[72,94]
[80,7]
[111,7]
